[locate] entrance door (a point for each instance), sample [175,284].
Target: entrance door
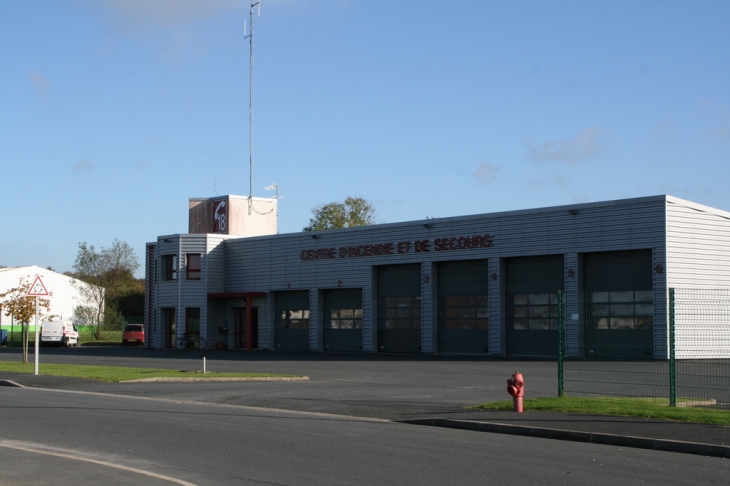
[399,308]
[292,320]
[343,320]
[463,307]
[169,323]
[619,305]
[532,305]
[239,315]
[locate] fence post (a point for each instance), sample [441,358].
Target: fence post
[561,343]
[672,370]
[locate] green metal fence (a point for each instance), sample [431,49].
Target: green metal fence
[633,344]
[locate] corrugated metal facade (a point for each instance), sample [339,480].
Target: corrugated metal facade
[697,257]
[698,239]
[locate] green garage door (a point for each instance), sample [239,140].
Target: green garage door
[292,320]
[343,320]
[619,305]
[463,310]
[532,305]
[399,308]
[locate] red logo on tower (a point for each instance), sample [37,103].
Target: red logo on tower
[38,289]
[220,217]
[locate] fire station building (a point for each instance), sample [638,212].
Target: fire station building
[484,284]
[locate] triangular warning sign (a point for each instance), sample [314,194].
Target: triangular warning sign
[38,289]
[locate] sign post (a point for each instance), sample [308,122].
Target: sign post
[38,289]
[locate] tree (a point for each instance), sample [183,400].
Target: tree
[355,211]
[106,271]
[17,304]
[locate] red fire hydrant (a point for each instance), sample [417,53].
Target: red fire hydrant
[516,388]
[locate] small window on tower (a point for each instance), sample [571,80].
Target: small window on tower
[193,266]
[169,267]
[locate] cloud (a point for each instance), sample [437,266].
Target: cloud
[485,173]
[139,165]
[721,132]
[589,143]
[663,131]
[154,141]
[40,83]
[84,165]
[552,179]
[166,25]
[133,15]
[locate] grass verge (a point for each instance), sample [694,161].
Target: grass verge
[117,373]
[609,406]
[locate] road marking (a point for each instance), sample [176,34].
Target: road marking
[179,401]
[7,445]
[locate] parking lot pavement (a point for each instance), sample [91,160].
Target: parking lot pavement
[406,388]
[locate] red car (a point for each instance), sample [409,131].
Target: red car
[133,334]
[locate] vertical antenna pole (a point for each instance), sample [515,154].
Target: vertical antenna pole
[250,108]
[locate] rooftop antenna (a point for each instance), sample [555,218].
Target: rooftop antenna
[274,187]
[249,36]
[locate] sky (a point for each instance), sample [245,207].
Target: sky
[113,113]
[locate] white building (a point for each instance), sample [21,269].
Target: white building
[65,290]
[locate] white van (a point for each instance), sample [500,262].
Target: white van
[62,333]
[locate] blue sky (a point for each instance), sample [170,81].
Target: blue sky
[114,112]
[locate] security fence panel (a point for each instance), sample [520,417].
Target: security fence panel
[463,307]
[291,321]
[614,352]
[399,308]
[697,372]
[532,305]
[343,320]
[701,319]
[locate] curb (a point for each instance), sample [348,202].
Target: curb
[11,383]
[170,379]
[577,436]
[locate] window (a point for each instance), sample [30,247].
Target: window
[400,312]
[533,312]
[192,320]
[623,310]
[192,269]
[464,312]
[169,267]
[344,319]
[292,319]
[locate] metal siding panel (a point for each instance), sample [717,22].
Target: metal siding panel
[427,328]
[661,305]
[698,248]
[572,277]
[698,257]
[314,319]
[495,307]
[368,320]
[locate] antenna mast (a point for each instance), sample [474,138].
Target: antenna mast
[254,3]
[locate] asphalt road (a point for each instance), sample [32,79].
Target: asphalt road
[50,437]
[392,386]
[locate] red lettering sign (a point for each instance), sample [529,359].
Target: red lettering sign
[439,244]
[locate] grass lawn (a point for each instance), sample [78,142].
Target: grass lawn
[109,338]
[118,373]
[610,406]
